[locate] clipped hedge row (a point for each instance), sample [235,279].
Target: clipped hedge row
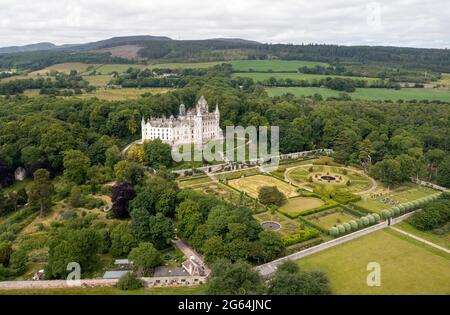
[354,225]
[329,204]
[408,206]
[301,236]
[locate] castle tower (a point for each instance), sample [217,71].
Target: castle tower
[182,110]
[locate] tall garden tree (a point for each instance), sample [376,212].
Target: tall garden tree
[122,193]
[76,166]
[41,191]
[145,257]
[234,278]
[157,153]
[270,195]
[443,177]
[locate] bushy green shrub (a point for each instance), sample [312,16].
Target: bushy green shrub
[341,229]
[353,224]
[396,211]
[334,231]
[365,221]
[371,218]
[301,236]
[377,217]
[360,223]
[347,227]
[129,282]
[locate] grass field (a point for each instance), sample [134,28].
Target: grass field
[373,205]
[252,184]
[111,94]
[181,65]
[439,239]
[358,182]
[274,65]
[297,205]
[367,93]
[109,291]
[294,76]
[413,192]
[407,266]
[327,221]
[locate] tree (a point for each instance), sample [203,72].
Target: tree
[271,244]
[157,154]
[387,170]
[79,246]
[122,193]
[161,230]
[270,195]
[6,174]
[112,156]
[5,253]
[213,248]
[234,278]
[432,216]
[18,261]
[41,191]
[145,257]
[136,154]
[127,171]
[289,280]
[443,177]
[76,166]
[129,281]
[188,217]
[122,239]
[75,197]
[365,152]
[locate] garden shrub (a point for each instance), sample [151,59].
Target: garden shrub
[334,231]
[365,221]
[360,223]
[371,218]
[377,217]
[129,282]
[341,229]
[353,224]
[396,210]
[301,236]
[347,227]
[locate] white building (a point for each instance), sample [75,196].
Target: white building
[197,125]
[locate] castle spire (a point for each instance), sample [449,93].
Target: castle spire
[217,108]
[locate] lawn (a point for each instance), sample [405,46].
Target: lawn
[190,183]
[367,93]
[262,76]
[98,80]
[330,218]
[439,239]
[181,65]
[119,68]
[252,184]
[109,291]
[65,67]
[407,266]
[412,193]
[297,205]
[358,181]
[373,205]
[274,65]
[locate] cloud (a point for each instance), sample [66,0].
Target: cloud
[414,23]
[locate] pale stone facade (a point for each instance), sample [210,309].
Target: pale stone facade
[197,126]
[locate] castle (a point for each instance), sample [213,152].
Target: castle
[197,126]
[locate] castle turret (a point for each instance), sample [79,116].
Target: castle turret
[182,110]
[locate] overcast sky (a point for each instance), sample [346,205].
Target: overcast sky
[415,23]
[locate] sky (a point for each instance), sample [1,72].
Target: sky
[411,23]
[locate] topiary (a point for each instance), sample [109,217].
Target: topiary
[396,211]
[360,223]
[377,217]
[385,214]
[353,224]
[334,231]
[365,221]
[341,229]
[347,227]
[370,218]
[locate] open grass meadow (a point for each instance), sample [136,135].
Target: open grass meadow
[262,76]
[441,239]
[372,94]
[372,205]
[272,65]
[407,266]
[252,184]
[330,218]
[297,205]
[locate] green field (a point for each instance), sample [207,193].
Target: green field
[294,76]
[326,221]
[252,184]
[297,205]
[373,205]
[407,266]
[274,65]
[108,291]
[439,239]
[186,65]
[368,93]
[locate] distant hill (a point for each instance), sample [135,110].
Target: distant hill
[27,48]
